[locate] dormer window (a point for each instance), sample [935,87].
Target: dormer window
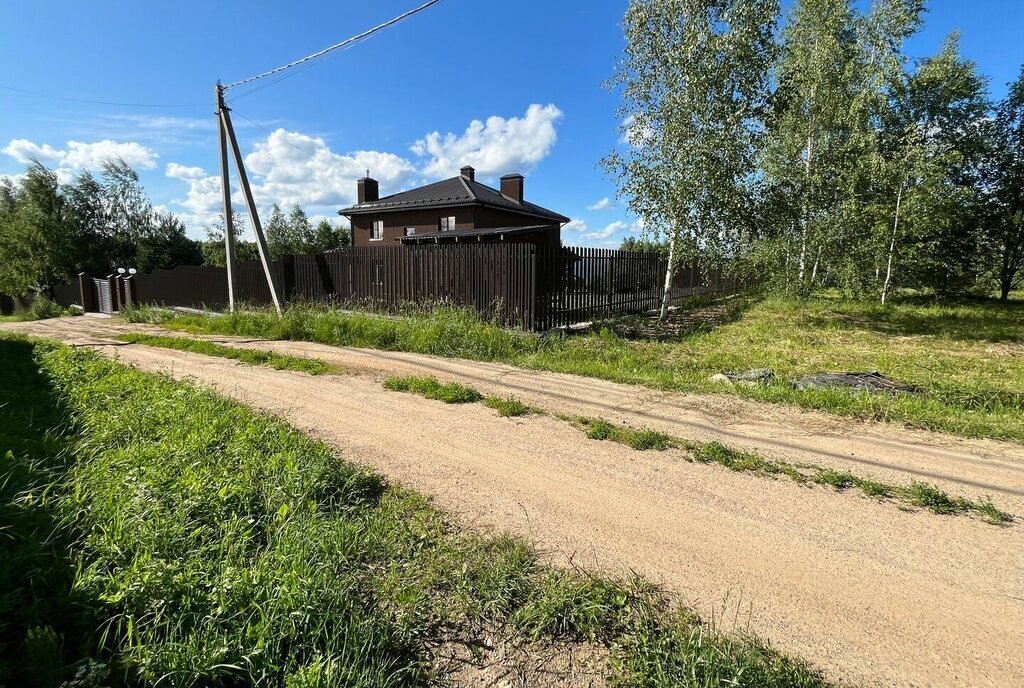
[447,224]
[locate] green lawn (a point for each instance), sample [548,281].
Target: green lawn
[157,533]
[968,357]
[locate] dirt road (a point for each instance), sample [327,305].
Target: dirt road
[872,594]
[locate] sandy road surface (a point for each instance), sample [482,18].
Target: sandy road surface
[872,594]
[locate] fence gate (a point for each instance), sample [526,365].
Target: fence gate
[104,304]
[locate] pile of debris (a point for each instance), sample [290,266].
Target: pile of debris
[871,381]
[750,378]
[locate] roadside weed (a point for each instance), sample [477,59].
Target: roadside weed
[507,406]
[639,439]
[429,387]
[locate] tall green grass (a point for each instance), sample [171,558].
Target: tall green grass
[202,543]
[964,355]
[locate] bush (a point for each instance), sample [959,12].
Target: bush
[42,308]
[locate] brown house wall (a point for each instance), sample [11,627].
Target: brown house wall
[466,218]
[426,220]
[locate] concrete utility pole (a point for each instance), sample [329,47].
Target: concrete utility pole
[227,133]
[225,184]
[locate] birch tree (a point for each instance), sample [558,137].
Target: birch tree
[812,134]
[939,116]
[1007,182]
[884,31]
[694,81]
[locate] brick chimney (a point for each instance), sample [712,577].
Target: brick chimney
[468,172]
[512,187]
[367,190]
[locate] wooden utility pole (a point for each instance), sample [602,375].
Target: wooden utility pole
[227,131]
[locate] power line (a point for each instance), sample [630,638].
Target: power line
[311,156]
[102,102]
[270,83]
[347,41]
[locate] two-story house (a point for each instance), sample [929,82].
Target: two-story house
[454,210]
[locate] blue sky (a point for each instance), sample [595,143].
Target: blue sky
[510,86]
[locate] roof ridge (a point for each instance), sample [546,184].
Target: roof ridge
[469,189]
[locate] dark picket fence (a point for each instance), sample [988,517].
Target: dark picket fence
[592,283]
[518,284]
[495,279]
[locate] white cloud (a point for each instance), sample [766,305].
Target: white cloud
[25,151]
[498,146]
[79,155]
[164,122]
[289,167]
[92,155]
[608,231]
[604,204]
[295,168]
[613,229]
[176,171]
[575,225]
[203,201]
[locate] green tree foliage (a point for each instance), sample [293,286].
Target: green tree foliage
[36,248]
[1004,177]
[299,230]
[295,234]
[327,237]
[815,132]
[213,249]
[643,244]
[943,110]
[166,246]
[693,80]
[49,231]
[860,170]
[277,232]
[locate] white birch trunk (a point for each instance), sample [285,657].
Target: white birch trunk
[892,245]
[807,207]
[669,272]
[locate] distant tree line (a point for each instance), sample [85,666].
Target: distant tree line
[95,223]
[813,150]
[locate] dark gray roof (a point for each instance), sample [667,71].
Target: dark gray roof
[451,192]
[468,233]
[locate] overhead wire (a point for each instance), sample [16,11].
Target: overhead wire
[311,156]
[336,46]
[102,102]
[309,60]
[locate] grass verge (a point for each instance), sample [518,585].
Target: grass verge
[960,353]
[917,494]
[197,542]
[312,366]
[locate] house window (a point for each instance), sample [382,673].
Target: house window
[447,224]
[377,230]
[410,231]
